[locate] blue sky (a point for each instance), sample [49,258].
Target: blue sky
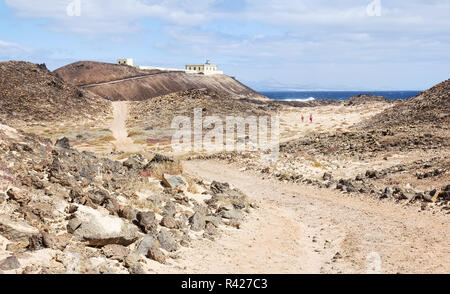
[268,44]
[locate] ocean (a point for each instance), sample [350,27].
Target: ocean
[335,95]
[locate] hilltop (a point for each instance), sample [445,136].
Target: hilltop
[364,99]
[90,72]
[131,84]
[31,93]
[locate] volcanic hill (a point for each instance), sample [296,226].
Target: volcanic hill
[31,93]
[431,108]
[131,84]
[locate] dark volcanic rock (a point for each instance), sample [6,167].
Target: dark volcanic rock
[63,143]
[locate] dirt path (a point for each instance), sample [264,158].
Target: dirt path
[301,229]
[119,129]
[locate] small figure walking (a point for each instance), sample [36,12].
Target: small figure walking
[310,118]
[303,118]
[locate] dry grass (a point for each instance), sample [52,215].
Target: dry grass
[171,168]
[192,185]
[140,142]
[135,133]
[144,204]
[107,138]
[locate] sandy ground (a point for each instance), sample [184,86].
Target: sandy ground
[302,229]
[118,127]
[325,119]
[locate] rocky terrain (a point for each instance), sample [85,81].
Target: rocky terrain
[90,186]
[30,93]
[400,154]
[159,112]
[137,86]
[365,99]
[63,211]
[430,108]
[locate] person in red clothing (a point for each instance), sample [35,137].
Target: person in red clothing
[310,118]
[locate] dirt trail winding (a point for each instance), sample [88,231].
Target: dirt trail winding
[119,128]
[302,229]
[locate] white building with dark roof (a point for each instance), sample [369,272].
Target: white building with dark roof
[206,69]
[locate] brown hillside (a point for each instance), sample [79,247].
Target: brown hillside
[156,84]
[90,72]
[160,111]
[431,107]
[31,93]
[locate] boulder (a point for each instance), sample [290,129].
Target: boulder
[128,213]
[135,162]
[327,177]
[157,255]
[98,196]
[149,241]
[100,230]
[16,231]
[147,221]
[55,242]
[387,193]
[372,174]
[133,265]
[197,222]
[174,182]
[9,263]
[170,209]
[63,143]
[214,220]
[115,252]
[169,222]
[445,194]
[167,241]
[232,214]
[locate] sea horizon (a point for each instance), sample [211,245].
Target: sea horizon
[303,95]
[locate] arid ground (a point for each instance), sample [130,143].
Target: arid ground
[88,185]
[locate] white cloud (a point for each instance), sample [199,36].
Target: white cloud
[121,16]
[12,49]
[112,16]
[289,34]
